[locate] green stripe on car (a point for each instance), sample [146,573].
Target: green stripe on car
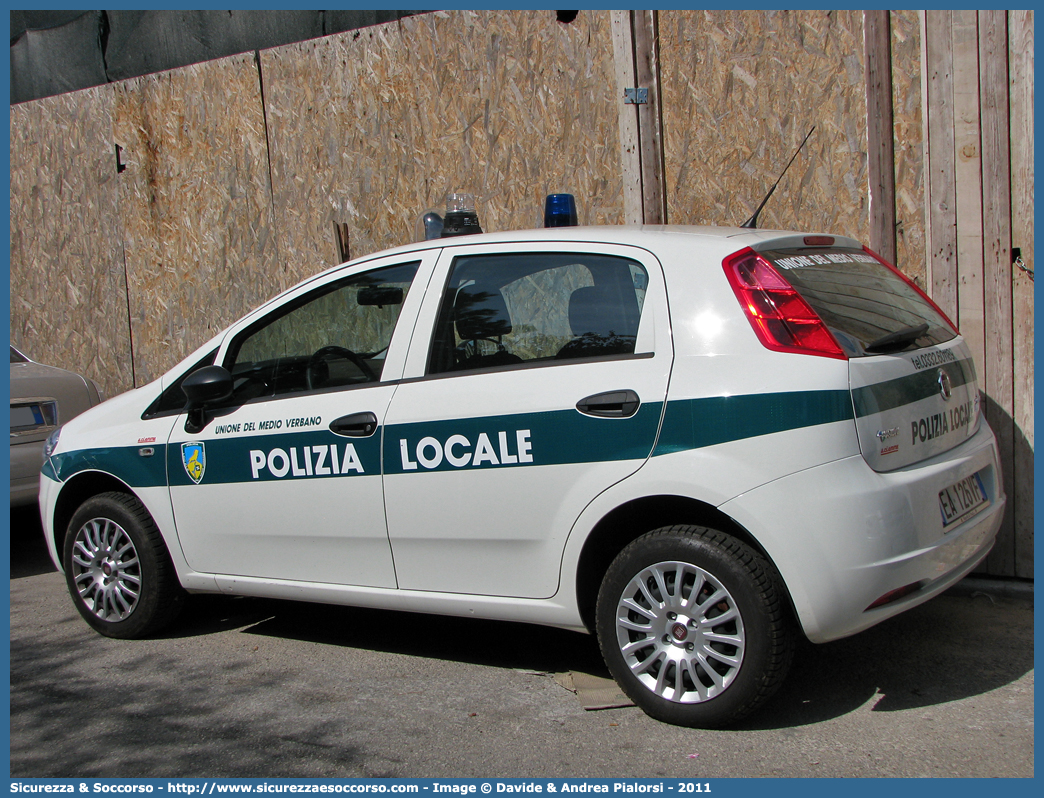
[319,454]
[883,396]
[550,438]
[517,440]
[123,462]
[696,423]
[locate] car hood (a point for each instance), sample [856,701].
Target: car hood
[115,411]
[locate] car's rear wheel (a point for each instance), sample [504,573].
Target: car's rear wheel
[692,625]
[117,568]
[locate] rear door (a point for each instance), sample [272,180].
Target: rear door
[542,384]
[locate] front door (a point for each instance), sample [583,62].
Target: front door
[285,482]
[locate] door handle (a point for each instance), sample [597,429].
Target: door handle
[356,425]
[611,404]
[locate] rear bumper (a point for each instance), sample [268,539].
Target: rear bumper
[867,534]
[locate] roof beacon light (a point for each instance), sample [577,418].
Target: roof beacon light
[460,219]
[560,210]
[430,226]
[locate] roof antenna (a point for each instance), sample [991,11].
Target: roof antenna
[752,222]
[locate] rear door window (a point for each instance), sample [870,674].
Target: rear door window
[530,308]
[869,308]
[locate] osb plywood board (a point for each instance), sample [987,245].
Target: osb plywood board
[373,127]
[196,207]
[68,294]
[740,91]
[907,120]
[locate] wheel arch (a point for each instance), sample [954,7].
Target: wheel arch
[78,489]
[632,520]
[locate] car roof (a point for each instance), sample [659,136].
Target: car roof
[634,235]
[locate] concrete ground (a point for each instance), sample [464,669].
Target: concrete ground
[251,687]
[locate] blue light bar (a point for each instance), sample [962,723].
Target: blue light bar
[560,210]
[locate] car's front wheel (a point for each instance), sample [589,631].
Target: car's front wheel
[692,625]
[117,568]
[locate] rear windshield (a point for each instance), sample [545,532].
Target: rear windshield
[869,308]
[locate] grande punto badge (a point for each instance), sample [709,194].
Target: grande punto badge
[194,458]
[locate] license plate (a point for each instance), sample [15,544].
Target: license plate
[962,500]
[26,416]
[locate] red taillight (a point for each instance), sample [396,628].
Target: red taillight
[912,284]
[782,320]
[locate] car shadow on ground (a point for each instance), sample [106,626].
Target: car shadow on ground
[29,555]
[928,656]
[498,644]
[931,655]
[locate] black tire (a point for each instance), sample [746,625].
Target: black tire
[117,568]
[681,658]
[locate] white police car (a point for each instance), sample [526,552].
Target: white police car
[694,442]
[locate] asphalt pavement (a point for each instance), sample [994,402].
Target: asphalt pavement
[245,687]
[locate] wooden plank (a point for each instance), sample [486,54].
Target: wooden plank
[941,193]
[650,127]
[877,47]
[630,159]
[1020,72]
[908,151]
[968,179]
[996,195]
[925,154]
[968,166]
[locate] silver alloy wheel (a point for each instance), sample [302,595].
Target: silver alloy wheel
[106,570]
[680,632]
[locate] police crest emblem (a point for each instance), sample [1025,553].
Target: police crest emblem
[194,458]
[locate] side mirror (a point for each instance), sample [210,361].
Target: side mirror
[202,387]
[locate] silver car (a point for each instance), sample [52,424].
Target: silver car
[42,397]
